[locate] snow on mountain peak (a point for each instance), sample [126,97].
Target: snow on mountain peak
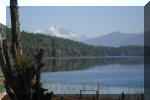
[60,32]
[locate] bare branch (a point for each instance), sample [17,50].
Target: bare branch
[39,56]
[2,60]
[6,55]
[39,65]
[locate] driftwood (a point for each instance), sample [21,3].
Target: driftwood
[22,80]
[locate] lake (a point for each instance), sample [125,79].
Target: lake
[108,75]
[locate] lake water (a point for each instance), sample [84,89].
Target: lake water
[108,75]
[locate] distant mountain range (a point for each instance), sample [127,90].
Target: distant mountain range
[59,47]
[61,32]
[117,39]
[114,39]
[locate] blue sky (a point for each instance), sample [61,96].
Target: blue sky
[92,21]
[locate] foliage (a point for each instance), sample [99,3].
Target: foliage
[58,47]
[22,62]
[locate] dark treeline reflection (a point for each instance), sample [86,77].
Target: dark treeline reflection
[72,64]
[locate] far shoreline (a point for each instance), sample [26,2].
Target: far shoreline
[80,57]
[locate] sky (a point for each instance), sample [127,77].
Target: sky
[78,2]
[92,21]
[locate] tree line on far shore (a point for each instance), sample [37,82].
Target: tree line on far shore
[58,47]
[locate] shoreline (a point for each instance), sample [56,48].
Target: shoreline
[90,97]
[94,57]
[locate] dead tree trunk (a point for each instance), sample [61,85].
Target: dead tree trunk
[22,80]
[16,47]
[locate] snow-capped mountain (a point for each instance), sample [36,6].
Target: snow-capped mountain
[61,33]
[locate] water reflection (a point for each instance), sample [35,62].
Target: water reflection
[112,75]
[74,64]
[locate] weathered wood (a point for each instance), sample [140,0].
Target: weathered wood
[8,66]
[22,80]
[122,96]
[2,60]
[7,56]
[39,65]
[16,47]
[4,68]
[61,98]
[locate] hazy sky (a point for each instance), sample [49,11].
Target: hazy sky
[92,21]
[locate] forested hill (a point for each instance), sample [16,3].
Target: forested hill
[59,47]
